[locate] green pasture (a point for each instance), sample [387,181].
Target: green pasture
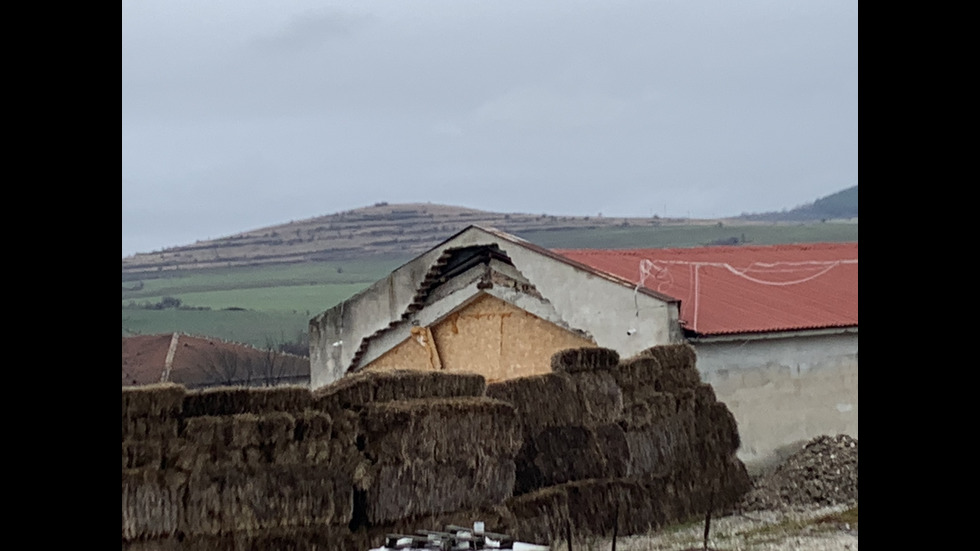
[157,284]
[306,299]
[247,326]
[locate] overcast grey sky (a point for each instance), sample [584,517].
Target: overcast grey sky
[242,114]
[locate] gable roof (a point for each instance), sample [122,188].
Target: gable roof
[197,361]
[744,289]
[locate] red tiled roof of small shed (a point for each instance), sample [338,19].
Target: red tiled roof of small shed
[144,360]
[744,289]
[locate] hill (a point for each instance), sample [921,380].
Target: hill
[843,204]
[376,231]
[380,231]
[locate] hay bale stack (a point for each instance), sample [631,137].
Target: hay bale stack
[139,454]
[238,400]
[635,374]
[414,385]
[658,407]
[249,500]
[437,456]
[242,439]
[442,429]
[717,430]
[152,503]
[151,412]
[420,488]
[540,516]
[615,450]
[678,363]
[595,505]
[356,390]
[158,400]
[541,401]
[599,396]
[591,358]
[661,447]
[566,453]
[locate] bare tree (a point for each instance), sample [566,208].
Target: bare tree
[228,367]
[272,364]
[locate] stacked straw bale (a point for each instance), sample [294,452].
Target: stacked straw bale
[568,420]
[235,467]
[241,399]
[152,497]
[151,412]
[251,500]
[152,503]
[572,360]
[642,436]
[436,456]
[355,391]
[540,516]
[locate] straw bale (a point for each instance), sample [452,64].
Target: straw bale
[412,385]
[657,407]
[638,372]
[358,389]
[662,447]
[568,453]
[424,488]
[157,400]
[583,359]
[678,363]
[615,449]
[149,428]
[236,439]
[250,499]
[240,399]
[562,454]
[600,396]
[311,440]
[540,516]
[348,392]
[541,401]
[443,429]
[137,454]
[595,505]
[717,430]
[152,503]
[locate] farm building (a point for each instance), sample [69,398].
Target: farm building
[775,328]
[199,362]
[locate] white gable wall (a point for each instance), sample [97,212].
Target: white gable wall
[610,313]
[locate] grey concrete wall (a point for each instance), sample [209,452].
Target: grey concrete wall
[784,391]
[611,313]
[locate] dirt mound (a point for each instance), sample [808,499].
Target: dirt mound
[824,472]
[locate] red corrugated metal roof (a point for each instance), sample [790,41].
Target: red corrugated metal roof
[744,289]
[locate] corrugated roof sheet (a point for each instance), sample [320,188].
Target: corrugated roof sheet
[744,289]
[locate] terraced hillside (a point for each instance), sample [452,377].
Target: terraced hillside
[379,230]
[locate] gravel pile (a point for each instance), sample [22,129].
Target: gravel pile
[823,473]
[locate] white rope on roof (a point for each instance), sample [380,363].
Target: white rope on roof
[659,269]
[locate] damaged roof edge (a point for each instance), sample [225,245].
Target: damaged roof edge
[584,267]
[511,238]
